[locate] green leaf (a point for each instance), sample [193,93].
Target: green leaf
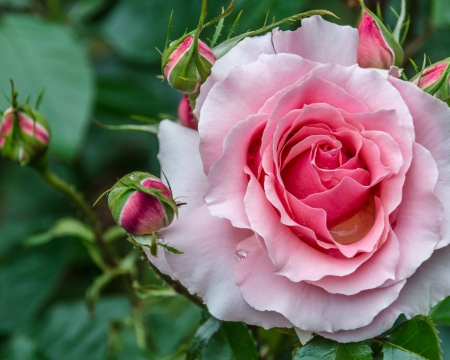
[59,65]
[114,232]
[202,337]
[414,339]
[62,228]
[152,129]
[27,280]
[154,291]
[441,12]
[21,347]
[233,342]
[441,312]
[326,349]
[68,332]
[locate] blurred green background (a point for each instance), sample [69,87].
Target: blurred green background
[97,59]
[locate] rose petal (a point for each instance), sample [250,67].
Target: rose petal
[306,305]
[206,267]
[178,154]
[432,126]
[319,40]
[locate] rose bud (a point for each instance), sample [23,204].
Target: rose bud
[377,47]
[185,114]
[141,203]
[186,66]
[435,79]
[24,135]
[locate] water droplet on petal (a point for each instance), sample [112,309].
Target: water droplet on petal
[241,255]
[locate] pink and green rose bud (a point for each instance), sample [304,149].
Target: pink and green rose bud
[24,135]
[377,47]
[185,114]
[141,204]
[187,66]
[435,80]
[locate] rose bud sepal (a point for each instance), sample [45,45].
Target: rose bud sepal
[187,63]
[377,47]
[24,135]
[435,80]
[141,203]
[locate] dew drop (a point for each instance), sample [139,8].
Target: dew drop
[241,255]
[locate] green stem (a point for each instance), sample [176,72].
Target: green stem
[180,289]
[69,191]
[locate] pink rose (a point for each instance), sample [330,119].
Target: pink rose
[317,191]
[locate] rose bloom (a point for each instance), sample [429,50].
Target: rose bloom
[317,191]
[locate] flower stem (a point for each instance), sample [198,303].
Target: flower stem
[180,289]
[68,190]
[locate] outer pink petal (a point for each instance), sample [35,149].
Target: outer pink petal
[255,83]
[306,306]
[206,267]
[227,180]
[245,52]
[418,221]
[291,256]
[181,163]
[432,126]
[319,40]
[429,285]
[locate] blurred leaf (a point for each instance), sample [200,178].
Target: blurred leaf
[172,320]
[114,233]
[21,347]
[326,349]
[441,312]
[202,337]
[149,292]
[62,228]
[232,342]
[16,3]
[152,129]
[414,339]
[68,332]
[27,280]
[37,55]
[441,12]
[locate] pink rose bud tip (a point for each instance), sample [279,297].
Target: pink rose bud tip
[180,65]
[373,50]
[185,114]
[137,212]
[431,75]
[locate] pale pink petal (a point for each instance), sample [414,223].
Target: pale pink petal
[432,126]
[429,285]
[306,305]
[255,83]
[370,275]
[319,40]
[206,267]
[418,221]
[245,52]
[181,163]
[227,180]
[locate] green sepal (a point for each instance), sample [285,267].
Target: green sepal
[224,47]
[391,42]
[148,241]
[440,88]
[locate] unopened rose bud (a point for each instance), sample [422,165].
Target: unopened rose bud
[141,203]
[435,80]
[184,67]
[24,135]
[377,48]
[185,114]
